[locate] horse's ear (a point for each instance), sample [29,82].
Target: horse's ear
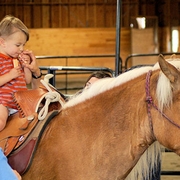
[169,70]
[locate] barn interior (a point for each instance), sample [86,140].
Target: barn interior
[73,38]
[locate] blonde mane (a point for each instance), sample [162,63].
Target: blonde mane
[163,93]
[106,84]
[164,89]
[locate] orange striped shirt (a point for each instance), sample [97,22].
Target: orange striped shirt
[7,90]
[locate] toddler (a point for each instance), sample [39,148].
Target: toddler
[13,74]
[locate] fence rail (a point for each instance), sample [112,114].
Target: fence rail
[69,70]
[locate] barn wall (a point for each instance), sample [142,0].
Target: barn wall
[87,41]
[77,42]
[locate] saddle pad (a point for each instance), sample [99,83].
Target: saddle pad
[20,160]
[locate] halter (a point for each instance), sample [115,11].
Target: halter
[150,103]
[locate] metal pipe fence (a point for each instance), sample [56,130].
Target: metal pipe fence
[67,71]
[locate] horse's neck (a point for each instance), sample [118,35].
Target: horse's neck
[131,129]
[140,131]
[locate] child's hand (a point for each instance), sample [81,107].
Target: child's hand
[15,72]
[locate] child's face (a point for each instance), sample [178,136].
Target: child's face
[14,44]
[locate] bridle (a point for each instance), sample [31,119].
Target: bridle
[150,103]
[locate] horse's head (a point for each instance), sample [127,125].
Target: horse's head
[167,128]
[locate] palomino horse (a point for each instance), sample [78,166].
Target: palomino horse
[102,133]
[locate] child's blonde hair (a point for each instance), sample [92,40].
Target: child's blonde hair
[10,24]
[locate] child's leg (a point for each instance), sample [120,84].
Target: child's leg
[3,116]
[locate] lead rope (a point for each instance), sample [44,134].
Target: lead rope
[51,96]
[150,103]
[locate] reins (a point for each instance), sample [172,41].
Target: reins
[150,103]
